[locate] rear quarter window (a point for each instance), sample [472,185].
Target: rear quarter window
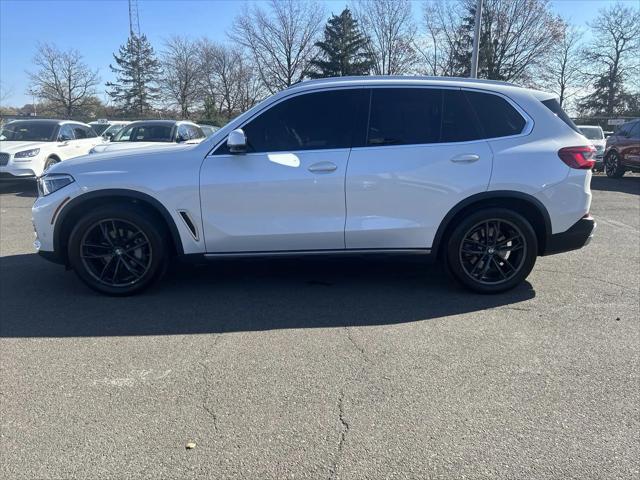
[553,105]
[497,117]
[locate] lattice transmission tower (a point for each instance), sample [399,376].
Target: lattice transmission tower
[134,19]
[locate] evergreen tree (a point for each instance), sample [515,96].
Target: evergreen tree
[137,70]
[343,51]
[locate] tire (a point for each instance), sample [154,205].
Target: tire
[118,250]
[612,166]
[50,161]
[473,259]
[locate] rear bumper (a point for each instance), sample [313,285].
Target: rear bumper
[578,236]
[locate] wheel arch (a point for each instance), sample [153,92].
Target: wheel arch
[74,209]
[526,205]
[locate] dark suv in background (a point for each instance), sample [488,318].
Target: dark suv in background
[622,152]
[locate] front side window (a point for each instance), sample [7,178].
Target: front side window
[498,118]
[28,132]
[195,132]
[79,132]
[311,121]
[66,133]
[406,116]
[635,131]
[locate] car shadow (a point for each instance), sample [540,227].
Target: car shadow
[628,184]
[40,299]
[20,188]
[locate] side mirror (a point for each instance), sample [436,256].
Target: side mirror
[108,136]
[237,141]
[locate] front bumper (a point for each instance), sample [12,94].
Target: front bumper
[578,236]
[15,170]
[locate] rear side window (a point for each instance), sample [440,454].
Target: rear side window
[408,116]
[497,117]
[553,105]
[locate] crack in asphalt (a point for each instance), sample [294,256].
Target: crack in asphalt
[345,427]
[333,472]
[208,410]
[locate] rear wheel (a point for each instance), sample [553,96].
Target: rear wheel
[118,250]
[492,250]
[612,166]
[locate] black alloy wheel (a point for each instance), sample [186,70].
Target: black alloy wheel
[612,166]
[116,252]
[119,249]
[492,250]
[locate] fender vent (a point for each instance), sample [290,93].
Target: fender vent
[186,218]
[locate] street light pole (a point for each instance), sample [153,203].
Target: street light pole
[476,40]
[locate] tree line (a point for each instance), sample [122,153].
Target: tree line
[273,46]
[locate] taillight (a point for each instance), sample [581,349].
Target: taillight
[578,157]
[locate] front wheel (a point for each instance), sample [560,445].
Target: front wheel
[492,250]
[118,250]
[612,166]
[50,161]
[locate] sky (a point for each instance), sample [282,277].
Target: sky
[97,28]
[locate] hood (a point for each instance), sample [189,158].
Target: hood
[14,147]
[119,159]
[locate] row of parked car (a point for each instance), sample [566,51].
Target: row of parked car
[29,147]
[617,152]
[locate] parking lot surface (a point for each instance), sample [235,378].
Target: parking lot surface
[341,368]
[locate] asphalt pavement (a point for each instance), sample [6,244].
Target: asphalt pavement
[352,368]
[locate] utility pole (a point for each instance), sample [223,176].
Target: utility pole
[476,40]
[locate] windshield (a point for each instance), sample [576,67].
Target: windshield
[113,130]
[145,133]
[28,132]
[99,128]
[592,133]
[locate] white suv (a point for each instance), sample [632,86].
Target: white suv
[484,175]
[29,147]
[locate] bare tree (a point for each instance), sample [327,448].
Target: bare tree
[564,70]
[229,82]
[516,38]
[180,77]
[613,55]
[391,30]
[439,47]
[5,93]
[280,39]
[62,80]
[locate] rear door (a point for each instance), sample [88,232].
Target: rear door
[630,149]
[422,155]
[287,192]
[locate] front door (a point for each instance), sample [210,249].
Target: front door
[287,192]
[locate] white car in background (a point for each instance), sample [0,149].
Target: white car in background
[113,129]
[596,136]
[152,133]
[29,147]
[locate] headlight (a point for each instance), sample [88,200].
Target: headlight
[27,153]
[51,183]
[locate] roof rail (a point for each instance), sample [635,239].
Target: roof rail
[398,77]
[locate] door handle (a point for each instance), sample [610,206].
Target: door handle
[466,158]
[323,167]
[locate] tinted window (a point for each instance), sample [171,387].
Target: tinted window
[497,117]
[406,116]
[183,133]
[635,131]
[66,132]
[195,132]
[28,131]
[459,124]
[310,121]
[80,132]
[553,105]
